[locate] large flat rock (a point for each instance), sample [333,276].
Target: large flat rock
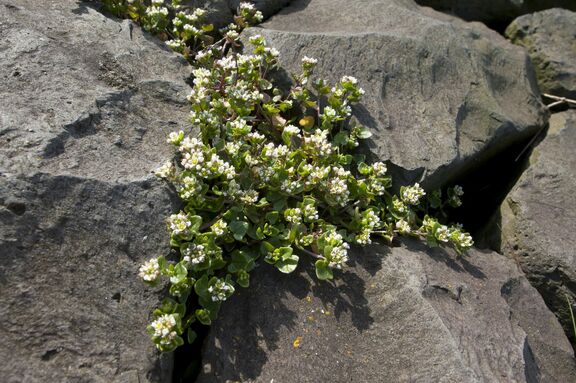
[442,96]
[403,314]
[539,217]
[550,38]
[85,104]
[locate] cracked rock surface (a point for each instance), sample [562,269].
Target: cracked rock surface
[85,104]
[442,95]
[403,314]
[539,213]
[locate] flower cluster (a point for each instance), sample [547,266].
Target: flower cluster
[412,194]
[164,331]
[150,271]
[272,175]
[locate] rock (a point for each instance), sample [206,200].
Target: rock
[442,96]
[403,314]
[495,13]
[538,217]
[85,105]
[550,38]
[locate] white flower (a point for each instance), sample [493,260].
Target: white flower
[188,187]
[289,186]
[412,194]
[329,112]
[199,12]
[232,35]
[363,238]
[379,169]
[310,212]
[399,206]
[155,11]
[179,223]
[403,227]
[220,291]
[272,51]
[167,170]
[308,61]
[164,329]
[293,215]
[219,228]
[370,219]
[292,130]
[175,138]
[442,233]
[249,197]
[247,6]
[349,80]
[232,148]
[194,254]
[175,44]
[318,144]
[150,271]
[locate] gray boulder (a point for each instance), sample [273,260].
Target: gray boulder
[442,96]
[538,217]
[496,13]
[85,104]
[403,314]
[550,38]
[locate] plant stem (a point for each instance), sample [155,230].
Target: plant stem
[571,313]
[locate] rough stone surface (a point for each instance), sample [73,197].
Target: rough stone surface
[442,95]
[85,104]
[496,13]
[539,215]
[550,38]
[406,314]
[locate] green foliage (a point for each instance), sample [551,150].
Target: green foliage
[273,176]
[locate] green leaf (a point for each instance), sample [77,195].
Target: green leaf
[191,335]
[243,278]
[323,271]
[280,204]
[180,271]
[272,217]
[345,159]
[364,134]
[201,286]
[340,139]
[364,169]
[203,316]
[196,221]
[162,263]
[285,252]
[287,266]
[239,229]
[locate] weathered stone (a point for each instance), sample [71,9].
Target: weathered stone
[442,96]
[496,13]
[550,38]
[538,217]
[405,314]
[85,104]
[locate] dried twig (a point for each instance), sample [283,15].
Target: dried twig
[558,100]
